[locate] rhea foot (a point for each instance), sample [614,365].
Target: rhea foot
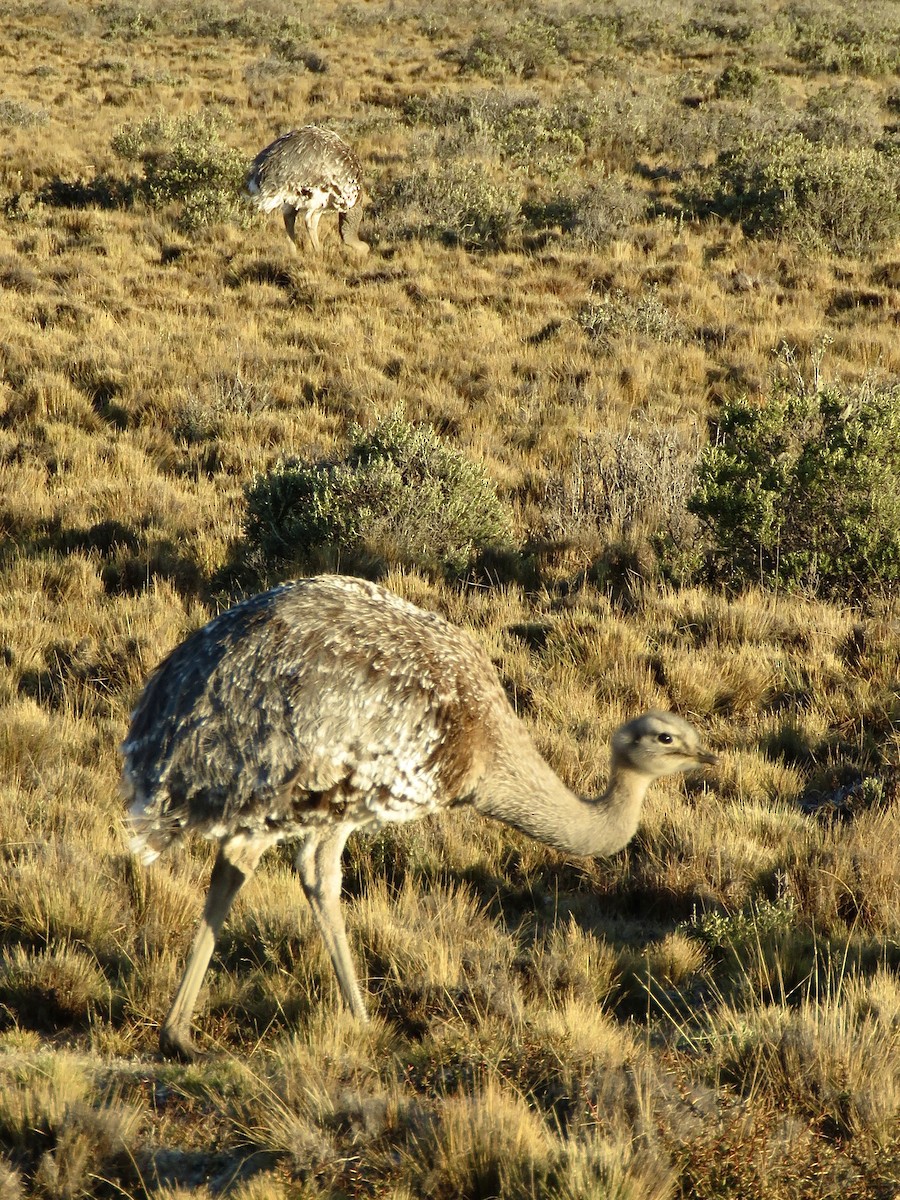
[176,1042]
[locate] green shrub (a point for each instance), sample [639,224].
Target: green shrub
[804,491]
[822,197]
[742,929]
[538,41]
[513,121]
[400,496]
[615,314]
[127,20]
[842,115]
[456,202]
[185,160]
[252,24]
[526,48]
[737,24]
[246,23]
[739,81]
[609,123]
[848,47]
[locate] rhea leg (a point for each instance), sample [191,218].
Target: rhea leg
[236,862]
[318,864]
[348,227]
[313,217]
[290,217]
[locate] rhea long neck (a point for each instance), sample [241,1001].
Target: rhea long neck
[522,790]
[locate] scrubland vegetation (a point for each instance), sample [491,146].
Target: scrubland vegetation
[617,388]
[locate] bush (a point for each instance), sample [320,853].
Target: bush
[823,197]
[246,23]
[512,121]
[185,160]
[804,491]
[842,115]
[538,41]
[615,314]
[739,81]
[848,47]
[400,496]
[129,21]
[458,203]
[608,209]
[526,48]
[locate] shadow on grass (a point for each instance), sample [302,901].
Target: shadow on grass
[216,1170]
[130,557]
[103,191]
[275,274]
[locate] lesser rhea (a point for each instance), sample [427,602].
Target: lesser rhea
[310,171]
[328,705]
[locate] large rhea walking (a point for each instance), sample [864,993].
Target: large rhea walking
[310,170]
[329,705]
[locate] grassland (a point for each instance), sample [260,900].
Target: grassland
[582,250]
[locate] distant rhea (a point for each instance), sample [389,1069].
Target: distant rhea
[329,705]
[310,170]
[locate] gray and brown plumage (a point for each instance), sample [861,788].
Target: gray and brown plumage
[329,705]
[310,170]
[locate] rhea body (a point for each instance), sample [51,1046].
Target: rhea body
[310,171]
[329,705]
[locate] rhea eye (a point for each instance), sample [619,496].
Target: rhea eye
[665,738]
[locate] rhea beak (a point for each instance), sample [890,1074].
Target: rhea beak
[707,757]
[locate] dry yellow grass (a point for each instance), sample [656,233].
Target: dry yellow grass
[713,1014]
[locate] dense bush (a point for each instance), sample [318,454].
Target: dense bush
[127,20]
[608,209]
[534,43]
[525,138]
[456,202]
[842,115]
[512,121]
[595,216]
[739,81]
[821,196]
[248,23]
[524,50]
[846,44]
[185,160]
[514,130]
[400,496]
[804,491]
[611,122]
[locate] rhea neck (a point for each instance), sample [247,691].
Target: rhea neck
[522,789]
